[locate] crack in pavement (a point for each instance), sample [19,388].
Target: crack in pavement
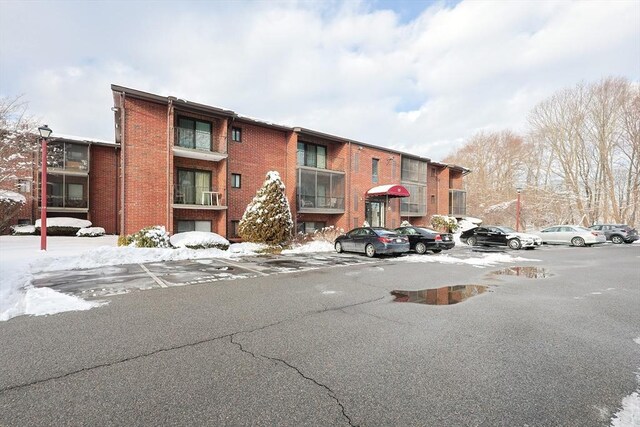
[178,347]
[330,392]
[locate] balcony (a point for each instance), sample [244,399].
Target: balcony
[320,191]
[457,203]
[66,193]
[416,203]
[192,197]
[199,145]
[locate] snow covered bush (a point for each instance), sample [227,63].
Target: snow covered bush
[90,232]
[405,223]
[327,234]
[10,204]
[442,222]
[267,219]
[149,237]
[63,226]
[366,223]
[199,240]
[23,230]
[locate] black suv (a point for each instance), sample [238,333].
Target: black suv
[617,233]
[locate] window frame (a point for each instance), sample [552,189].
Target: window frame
[306,155]
[236,134]
[233,180]
[194,129]
[375,170]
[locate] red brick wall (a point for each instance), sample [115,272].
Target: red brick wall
[261,150]
[103,188]
[146,165]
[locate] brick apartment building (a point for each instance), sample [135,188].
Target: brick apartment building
[189,166]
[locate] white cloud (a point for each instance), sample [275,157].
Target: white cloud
[422,85]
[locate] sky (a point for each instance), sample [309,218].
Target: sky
[416,76]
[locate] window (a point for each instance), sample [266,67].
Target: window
[193,133]
[310,227]
[374,170]
[68,156]
[312,155]
[184,226]
[190,185]
[236,180]
[24,186]
[413,170]
[433,171]
[234,228]
[236,134]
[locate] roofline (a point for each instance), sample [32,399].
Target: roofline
[256,122]
[172,99]
[81,139]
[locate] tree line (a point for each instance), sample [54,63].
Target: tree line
[577,162]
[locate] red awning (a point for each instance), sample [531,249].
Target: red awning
[394,190]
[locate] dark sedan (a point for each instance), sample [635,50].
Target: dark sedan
[372,241]
[422,239]
[500,235]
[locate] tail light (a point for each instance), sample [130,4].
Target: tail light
[438,238]
[385,240]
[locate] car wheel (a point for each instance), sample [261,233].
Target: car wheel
[421,248]
[577,241]
[514,244]
[437,251]
[338,247]
[472,241]
[369,250]
[617,239]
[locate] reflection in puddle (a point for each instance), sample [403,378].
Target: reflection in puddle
[440,296]
[530,272]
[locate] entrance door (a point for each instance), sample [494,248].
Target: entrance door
[374,213]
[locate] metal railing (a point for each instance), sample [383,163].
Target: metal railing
[194,195]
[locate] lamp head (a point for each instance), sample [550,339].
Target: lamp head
[45,132]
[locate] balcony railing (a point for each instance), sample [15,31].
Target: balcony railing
[194,195]
[195,144]
[320,202]
[65,202]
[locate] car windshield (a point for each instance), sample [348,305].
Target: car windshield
[506,230]
[383,232]
[582,229]
[428,230]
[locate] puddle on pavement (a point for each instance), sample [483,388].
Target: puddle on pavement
[446,295]
[529,272]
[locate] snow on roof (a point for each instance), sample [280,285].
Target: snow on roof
[82,139]
[12,195]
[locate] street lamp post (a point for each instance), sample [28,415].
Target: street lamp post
[518,190]
[45,132]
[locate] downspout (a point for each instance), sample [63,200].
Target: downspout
[227,221]
[123,164]
[169,175]
[117,183]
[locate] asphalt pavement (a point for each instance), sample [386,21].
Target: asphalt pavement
[318,340]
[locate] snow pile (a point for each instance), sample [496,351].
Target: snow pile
[199,239]
[65,222]
[487,260]
[629,415]
[313,246]
[12,196]
[23,229]
[247,248]
[90,232]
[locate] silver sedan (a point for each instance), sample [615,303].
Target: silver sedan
[575,235]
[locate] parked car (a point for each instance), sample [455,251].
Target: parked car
[422,239]
[500,235]
[617,233]
[575,235]
[372,241]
